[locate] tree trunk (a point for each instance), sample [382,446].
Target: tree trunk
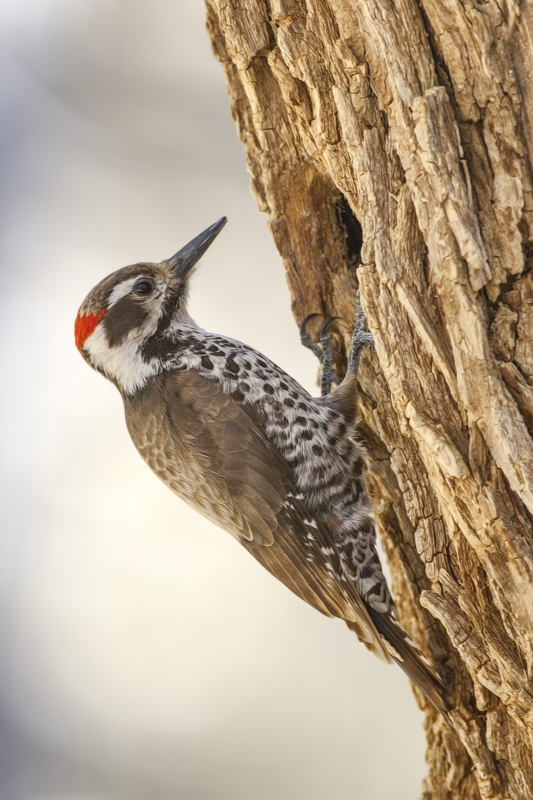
[387,142]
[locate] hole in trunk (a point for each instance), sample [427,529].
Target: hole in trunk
[353,231]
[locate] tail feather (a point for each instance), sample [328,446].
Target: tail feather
[411,659]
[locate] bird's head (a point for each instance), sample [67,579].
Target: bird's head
[124,318]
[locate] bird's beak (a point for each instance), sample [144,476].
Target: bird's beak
[188,256]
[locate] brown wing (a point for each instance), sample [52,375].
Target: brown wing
[213,452]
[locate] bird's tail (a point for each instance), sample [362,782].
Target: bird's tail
[411,659]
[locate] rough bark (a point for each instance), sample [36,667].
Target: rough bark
[388,143]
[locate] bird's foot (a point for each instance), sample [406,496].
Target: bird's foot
[361,338]
[324,351]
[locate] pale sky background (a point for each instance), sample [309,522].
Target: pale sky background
[144,655]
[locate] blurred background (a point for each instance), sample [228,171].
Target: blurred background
[144,655]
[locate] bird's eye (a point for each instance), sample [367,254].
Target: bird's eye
[143,288]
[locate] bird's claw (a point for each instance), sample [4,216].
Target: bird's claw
[324,353]
[361,338]
[306,339]
[323,332]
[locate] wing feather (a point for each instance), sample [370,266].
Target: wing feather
[218,458]
[214,453]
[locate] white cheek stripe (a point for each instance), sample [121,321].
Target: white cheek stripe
[121,290]
[124,363]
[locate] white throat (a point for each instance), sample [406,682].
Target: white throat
[123,363]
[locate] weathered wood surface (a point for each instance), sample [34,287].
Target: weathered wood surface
[390,142]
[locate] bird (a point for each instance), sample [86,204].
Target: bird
[244,444]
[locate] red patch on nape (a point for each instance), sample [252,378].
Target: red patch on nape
[84,326]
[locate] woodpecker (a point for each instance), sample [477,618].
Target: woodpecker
[244,444]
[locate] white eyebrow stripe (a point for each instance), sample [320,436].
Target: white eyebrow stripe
[121,291]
